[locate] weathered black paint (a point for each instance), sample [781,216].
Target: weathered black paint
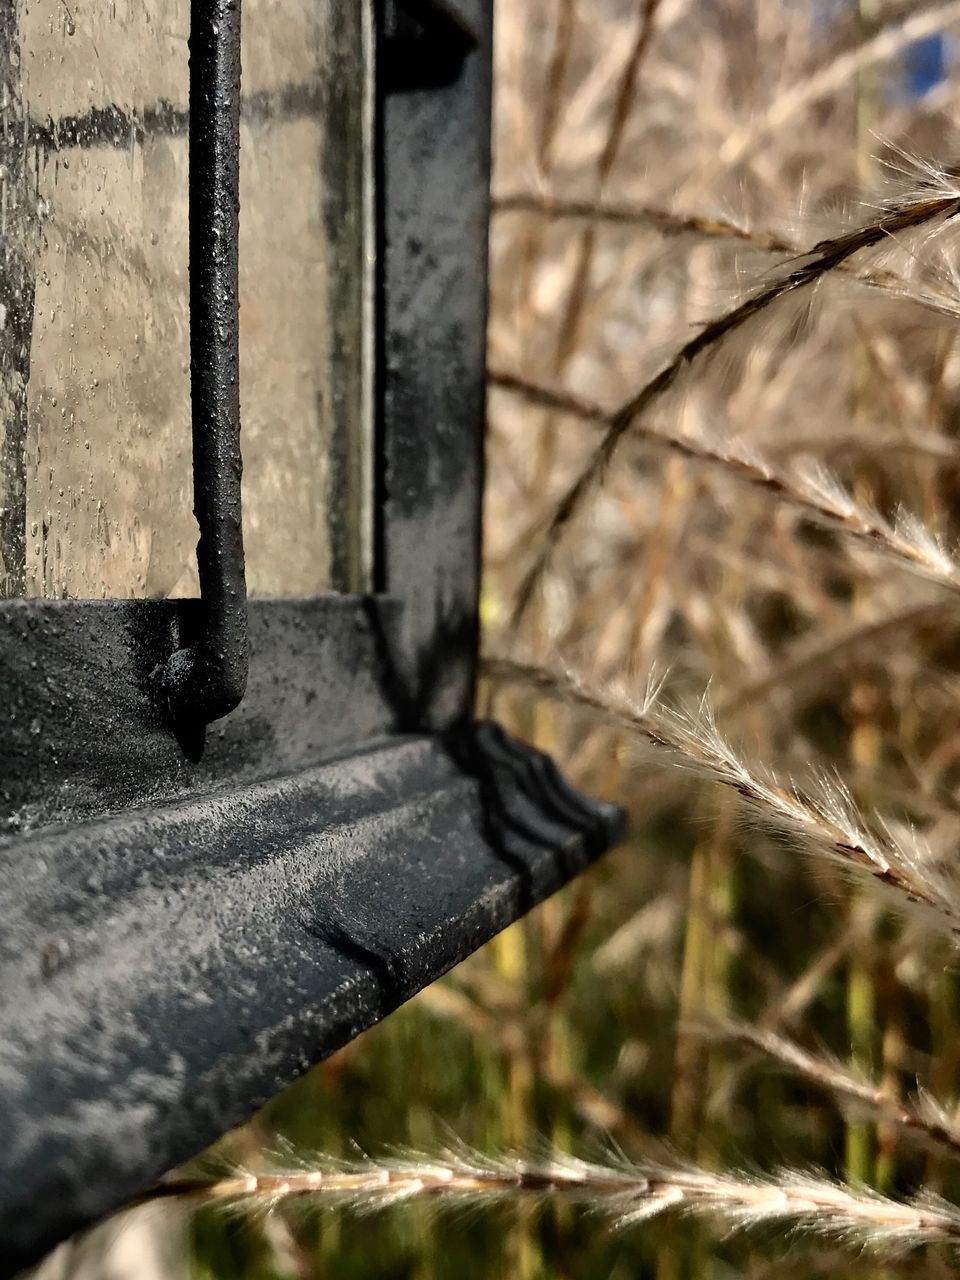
[17,288]
[435,190]
[83,734]
[206,680]
[166,970]
[426,41]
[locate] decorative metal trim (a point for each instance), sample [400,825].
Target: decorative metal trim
[166,970]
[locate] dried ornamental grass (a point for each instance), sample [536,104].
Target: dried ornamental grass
[821,817]
[823,498]
[625,1193]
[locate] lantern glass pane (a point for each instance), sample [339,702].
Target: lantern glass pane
[96,481]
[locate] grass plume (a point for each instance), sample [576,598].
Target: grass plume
[824,257]
[812,489]
[822,817]
[628,1194]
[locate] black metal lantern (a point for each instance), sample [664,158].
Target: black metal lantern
[234,833]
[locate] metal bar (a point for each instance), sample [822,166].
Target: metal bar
[143,1015]
[426,41]
[207,679]
[16,300]
[435,121]
[348,110]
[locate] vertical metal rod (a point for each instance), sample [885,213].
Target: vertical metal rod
[208,679]
[17,285]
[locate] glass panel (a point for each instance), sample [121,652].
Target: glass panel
[95,475]
[306,285]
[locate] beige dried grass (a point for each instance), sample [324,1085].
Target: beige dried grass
[627,1193]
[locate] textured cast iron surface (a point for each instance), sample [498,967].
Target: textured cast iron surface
[17,290]
[86,730]
[206,680]
[82,732]
[164,972]
[435,189]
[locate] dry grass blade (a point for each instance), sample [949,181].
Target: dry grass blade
[631,215]
[925,1119]
[570,321]
[823,819]
[826,256]
[938,299]
[813,490]
[627,88]
[554,82]
[793,1004]
[873,441]
[627,1193]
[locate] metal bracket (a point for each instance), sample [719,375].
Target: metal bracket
[207,679]
[425,42]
